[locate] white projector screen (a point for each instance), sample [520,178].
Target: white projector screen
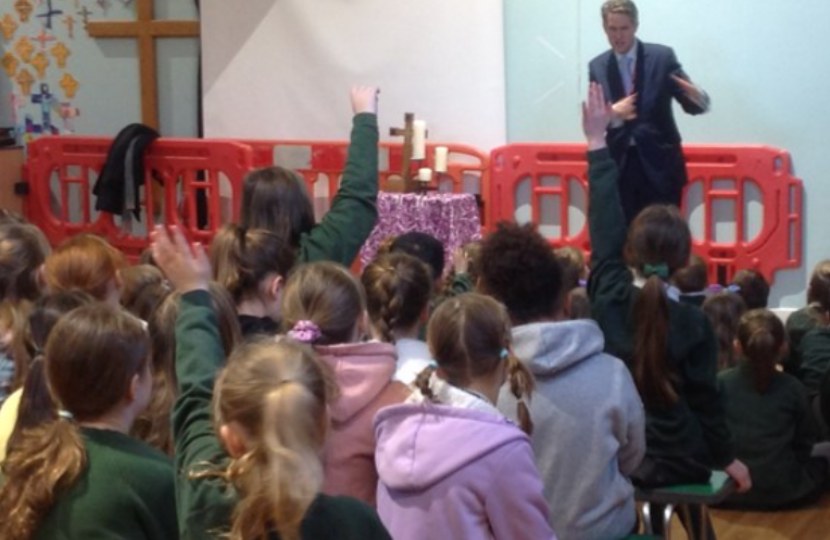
[282,69]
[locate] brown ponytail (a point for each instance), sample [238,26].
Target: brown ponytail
[762,336]
[45,461]
[651,346]
[658,245]
[92,355]
[422,382]
[521,384]
[242,258]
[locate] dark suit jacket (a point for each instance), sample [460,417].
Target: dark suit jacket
[654,130]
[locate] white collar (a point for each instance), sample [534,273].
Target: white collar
[447,394]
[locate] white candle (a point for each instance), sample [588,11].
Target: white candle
[441,153]
[419,139]
[425,175]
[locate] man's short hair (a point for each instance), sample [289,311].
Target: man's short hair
[620,7]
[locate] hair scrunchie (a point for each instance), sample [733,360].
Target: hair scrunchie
[305,332]
[660,270]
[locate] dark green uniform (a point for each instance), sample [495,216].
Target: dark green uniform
[694,427]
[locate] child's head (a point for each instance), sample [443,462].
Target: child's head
[36,404]
[398,288]
[425,247]
[153,425]
[658,244]
[469,338]
[754,288]
[762,341]
[97,368]
[23,249]
[252,264]
[88,263]
[143,286]
[94,356]
[572,261]
[519,269]
[693,277]
[270,408]
[276,199]
[324,304]
[724,311]
[472,250]
[818,292]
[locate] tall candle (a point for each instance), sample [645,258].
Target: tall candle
[419,139]
[441,153]
[425,175]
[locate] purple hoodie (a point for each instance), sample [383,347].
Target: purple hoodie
[452,472]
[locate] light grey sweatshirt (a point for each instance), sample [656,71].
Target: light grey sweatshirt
[588,428]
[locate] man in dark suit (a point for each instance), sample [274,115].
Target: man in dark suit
[641,79]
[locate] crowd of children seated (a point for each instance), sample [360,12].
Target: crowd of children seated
[266,391]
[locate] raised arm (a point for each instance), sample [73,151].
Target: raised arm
[353,213]
[199,357]
[606,222]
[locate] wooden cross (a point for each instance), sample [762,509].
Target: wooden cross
[409,184]
[146,30]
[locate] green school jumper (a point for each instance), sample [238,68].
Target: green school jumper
[125,493]
[205,505]
[353,213]
[695,425]
[774,435]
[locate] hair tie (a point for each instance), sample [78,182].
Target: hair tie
[305,331]
[660,270]
[734,288]
[63,413]
[503,354]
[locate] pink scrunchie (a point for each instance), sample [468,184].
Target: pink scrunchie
[305,332]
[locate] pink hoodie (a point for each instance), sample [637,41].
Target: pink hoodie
[364,376]
[452,472]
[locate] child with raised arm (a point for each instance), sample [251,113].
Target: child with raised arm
[270,407]
[276,199]
[669,346]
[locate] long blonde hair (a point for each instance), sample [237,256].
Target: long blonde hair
[277,393]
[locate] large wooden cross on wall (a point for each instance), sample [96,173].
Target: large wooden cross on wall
[146,30]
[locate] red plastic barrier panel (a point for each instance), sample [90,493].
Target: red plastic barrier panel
[733,185]
[62,171]
[322,163]
[545,184]
[743,203]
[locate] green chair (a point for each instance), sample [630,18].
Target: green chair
[719,487]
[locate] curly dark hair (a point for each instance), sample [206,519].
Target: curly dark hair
[519,269]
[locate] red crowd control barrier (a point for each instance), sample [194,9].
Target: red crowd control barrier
[735,179]
[543,183]
[61,173]
[322,163]
[547,184]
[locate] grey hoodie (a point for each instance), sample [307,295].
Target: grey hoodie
[588,428]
